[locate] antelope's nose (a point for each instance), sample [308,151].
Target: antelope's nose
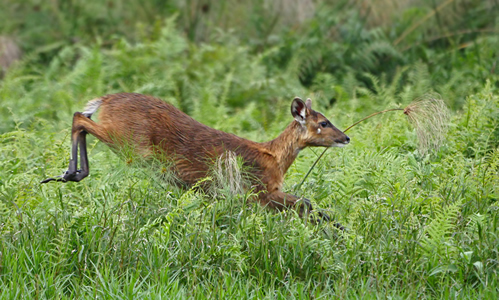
[347,140]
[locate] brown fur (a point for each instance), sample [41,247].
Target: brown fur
[156,128]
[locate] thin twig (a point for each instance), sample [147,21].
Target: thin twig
[372,115]
[310,170]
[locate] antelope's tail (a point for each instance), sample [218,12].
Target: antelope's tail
[92,107]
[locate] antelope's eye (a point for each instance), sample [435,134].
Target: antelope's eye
[323,124]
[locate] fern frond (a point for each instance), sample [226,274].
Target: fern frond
[437,240]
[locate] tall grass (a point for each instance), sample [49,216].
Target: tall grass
[418,226]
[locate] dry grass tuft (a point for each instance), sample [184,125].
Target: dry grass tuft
[430,116]
[228,175]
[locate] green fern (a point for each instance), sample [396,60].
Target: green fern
[437,241]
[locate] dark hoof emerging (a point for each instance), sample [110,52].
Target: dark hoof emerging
[325,218]
[57,178]
[76,176]
[339,226]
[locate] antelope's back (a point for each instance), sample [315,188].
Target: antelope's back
[154,127]
[146,122]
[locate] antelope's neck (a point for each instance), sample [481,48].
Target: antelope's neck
[287,145]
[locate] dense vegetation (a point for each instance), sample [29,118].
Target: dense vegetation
[418,225]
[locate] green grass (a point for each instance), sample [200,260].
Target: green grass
[418,226]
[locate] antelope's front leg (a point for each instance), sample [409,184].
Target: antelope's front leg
[280,200]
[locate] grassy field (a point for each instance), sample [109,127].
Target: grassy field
[419,225]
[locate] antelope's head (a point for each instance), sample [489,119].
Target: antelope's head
[317,130]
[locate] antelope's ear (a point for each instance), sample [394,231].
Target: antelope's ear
[299,110]
[308,103]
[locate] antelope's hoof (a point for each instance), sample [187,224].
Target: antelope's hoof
[57,178]
[64,177]
[339,226]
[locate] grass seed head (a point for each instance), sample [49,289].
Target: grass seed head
[430,116]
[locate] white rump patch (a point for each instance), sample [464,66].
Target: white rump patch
[92,107]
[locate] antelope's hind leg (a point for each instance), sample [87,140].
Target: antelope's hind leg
[78,140]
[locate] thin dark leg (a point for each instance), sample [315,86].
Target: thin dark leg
[73,162]
[82,143]
[326,218]
[73,174]
[323,216]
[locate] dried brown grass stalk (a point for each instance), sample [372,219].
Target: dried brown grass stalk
[428,115]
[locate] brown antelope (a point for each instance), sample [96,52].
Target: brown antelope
[158,129]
